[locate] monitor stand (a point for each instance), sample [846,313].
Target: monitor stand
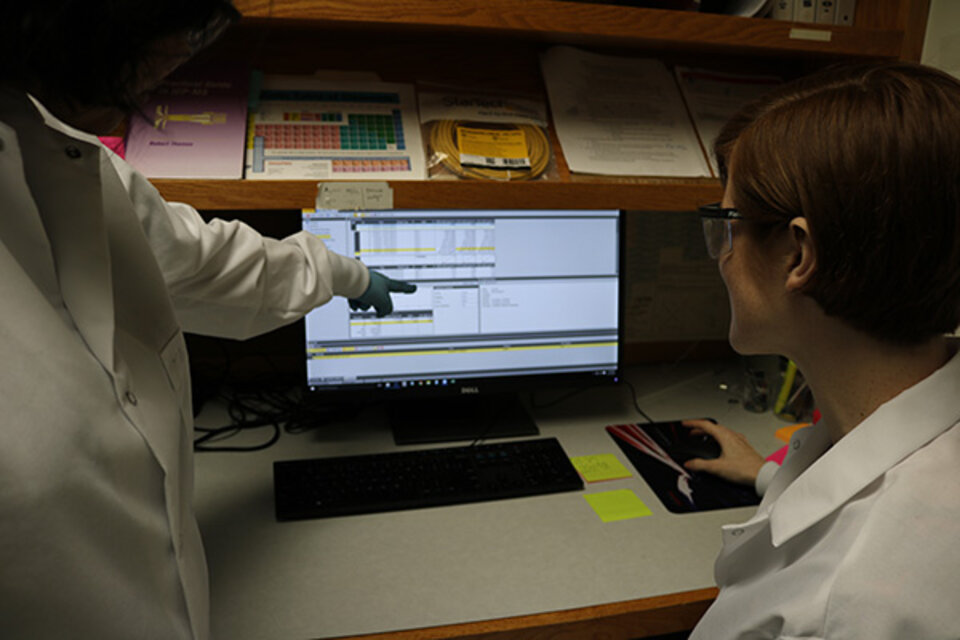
[451,419]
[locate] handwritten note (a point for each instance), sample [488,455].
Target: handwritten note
[600,467]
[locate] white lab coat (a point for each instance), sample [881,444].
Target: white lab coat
[98,274]
[858,541]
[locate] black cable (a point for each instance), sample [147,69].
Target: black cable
[570,394]
[636,405]
[556,401]
[491,422]
[246,412]
[294,413]
[219,433]
[257,405]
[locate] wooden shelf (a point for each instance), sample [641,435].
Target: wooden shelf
[673,195]
[562,21]
[497,43]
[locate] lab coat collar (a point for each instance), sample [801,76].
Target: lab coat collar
[64,180]
[825,477]
[21,231]
[57,124]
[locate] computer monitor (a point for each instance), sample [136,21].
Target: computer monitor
[507,300]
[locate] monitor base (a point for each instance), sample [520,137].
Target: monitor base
[452,419]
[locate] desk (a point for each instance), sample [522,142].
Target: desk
[541,567]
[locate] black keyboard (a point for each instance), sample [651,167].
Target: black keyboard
[372,483]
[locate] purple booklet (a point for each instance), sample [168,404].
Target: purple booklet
[192,126]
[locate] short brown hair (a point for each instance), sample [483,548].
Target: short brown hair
[869,154]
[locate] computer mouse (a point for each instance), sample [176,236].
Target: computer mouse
[689,444]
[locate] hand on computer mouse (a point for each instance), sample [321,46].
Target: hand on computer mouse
[739,462]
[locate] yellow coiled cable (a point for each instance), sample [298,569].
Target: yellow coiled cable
[443,142]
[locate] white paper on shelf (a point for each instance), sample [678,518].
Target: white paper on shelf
[620,116]
[354,196]
[713,97]
[333,129]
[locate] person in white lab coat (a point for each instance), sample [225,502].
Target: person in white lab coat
[99,277]
[838,240]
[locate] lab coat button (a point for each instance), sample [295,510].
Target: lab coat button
[131,398]
[73,152]
[737,532]
[796,444]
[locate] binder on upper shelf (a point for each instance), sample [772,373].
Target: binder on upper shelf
[845,11]
[826,11]
[782,10]
[805,10]
[192,126]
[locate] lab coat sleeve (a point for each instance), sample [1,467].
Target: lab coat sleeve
[225,278]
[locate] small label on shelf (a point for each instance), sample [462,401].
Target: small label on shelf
[360,196]
[493,149]
[819,35]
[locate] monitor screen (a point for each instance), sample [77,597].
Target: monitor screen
[506,299]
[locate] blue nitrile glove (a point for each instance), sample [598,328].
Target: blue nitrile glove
[378,292]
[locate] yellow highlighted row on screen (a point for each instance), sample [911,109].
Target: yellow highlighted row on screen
[402,249]
[322,352]
[382,322]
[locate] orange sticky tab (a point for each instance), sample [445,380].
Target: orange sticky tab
[787,432]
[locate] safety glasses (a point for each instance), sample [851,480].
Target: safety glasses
[717,228]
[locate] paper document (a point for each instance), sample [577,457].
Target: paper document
[714,97]
[313,128]
[620,116]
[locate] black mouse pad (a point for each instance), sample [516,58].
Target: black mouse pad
[658,450]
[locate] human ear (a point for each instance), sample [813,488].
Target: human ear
[803,259]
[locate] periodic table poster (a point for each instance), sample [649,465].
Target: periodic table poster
[312,128]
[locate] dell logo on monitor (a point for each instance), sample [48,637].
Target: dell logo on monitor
[469,389]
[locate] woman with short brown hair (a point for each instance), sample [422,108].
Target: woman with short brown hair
[839,241]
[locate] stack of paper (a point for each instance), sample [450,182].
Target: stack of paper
[620,116]
[714,97]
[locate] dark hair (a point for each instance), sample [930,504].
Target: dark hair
[91,52]
[869,154]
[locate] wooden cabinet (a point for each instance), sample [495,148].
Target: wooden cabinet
[495,43]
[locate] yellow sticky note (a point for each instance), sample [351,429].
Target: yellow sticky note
[600,467]
[617,505]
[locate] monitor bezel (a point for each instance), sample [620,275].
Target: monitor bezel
[486,385]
